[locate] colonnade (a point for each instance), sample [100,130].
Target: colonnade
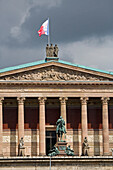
[42,100]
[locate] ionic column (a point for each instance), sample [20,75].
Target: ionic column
[105,125]
[63,108]
[20,118]
[84,124]
[42,148]
[1,125]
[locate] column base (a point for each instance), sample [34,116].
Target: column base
[106,154]
[1,155]
[42,154]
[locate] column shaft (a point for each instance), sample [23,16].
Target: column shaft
[1,126]
[105,125]
[84,123]
[20,118]
[63,108]
[42,147]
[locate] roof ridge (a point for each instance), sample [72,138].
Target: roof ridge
[88,68]
[21,66]
[44,61]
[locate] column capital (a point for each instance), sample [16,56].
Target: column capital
[20,100]
[105,100]
[63,100]
[1,99]
[42,100]
[84,100]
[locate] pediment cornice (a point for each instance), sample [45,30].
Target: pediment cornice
[55,71]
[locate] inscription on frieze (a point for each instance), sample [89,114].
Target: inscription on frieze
[53,73]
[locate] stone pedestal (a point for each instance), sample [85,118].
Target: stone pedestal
[62,147]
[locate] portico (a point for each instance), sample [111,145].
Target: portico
[33,96]
[42,126]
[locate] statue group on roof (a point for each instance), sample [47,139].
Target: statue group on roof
[52,51]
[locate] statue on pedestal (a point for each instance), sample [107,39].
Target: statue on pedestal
[60,129]
[56,51]
[21,147]
[85,147]
[21,144]
[61,148]
[51,48]
[47,50]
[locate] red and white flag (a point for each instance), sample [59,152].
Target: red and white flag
[44,29]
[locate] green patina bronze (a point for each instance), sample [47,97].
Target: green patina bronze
[60,129]
[69,151]
[54,151]
[57,150]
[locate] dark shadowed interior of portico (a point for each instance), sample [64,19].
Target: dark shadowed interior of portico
[52,111]
[73,113]
[94,114]
[31,114]
[74,122]
[31,122]
[10,124]
[110,113]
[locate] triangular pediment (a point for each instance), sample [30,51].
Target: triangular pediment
[55,71]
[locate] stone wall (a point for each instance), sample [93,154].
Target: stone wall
[31,140]
[57,163]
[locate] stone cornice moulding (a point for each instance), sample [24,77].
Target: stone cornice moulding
[57,64]
[26,83]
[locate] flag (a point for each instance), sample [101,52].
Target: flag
[44,29]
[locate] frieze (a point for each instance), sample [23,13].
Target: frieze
[54,73]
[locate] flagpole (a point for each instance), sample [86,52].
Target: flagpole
[48,33]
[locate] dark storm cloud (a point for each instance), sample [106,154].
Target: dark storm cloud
[70,21]
[77,26]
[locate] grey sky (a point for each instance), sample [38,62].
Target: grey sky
[83,30]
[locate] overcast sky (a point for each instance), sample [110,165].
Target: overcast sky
[83,30]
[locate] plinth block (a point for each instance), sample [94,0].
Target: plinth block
[62,147]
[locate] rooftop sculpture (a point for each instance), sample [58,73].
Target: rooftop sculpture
[52,51]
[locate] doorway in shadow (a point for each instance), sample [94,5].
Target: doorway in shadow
[50,140]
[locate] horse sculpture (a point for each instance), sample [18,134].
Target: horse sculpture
[60,130]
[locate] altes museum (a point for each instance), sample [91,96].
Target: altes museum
[34,95]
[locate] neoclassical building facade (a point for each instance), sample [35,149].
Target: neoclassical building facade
[34,95]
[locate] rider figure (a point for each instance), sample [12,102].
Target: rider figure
[60,127]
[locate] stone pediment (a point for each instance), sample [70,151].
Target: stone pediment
[54,73]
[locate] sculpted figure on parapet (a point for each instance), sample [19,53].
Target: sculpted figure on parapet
[21,144]
[69,151]
[52,51]
[21,148]
[85,147]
